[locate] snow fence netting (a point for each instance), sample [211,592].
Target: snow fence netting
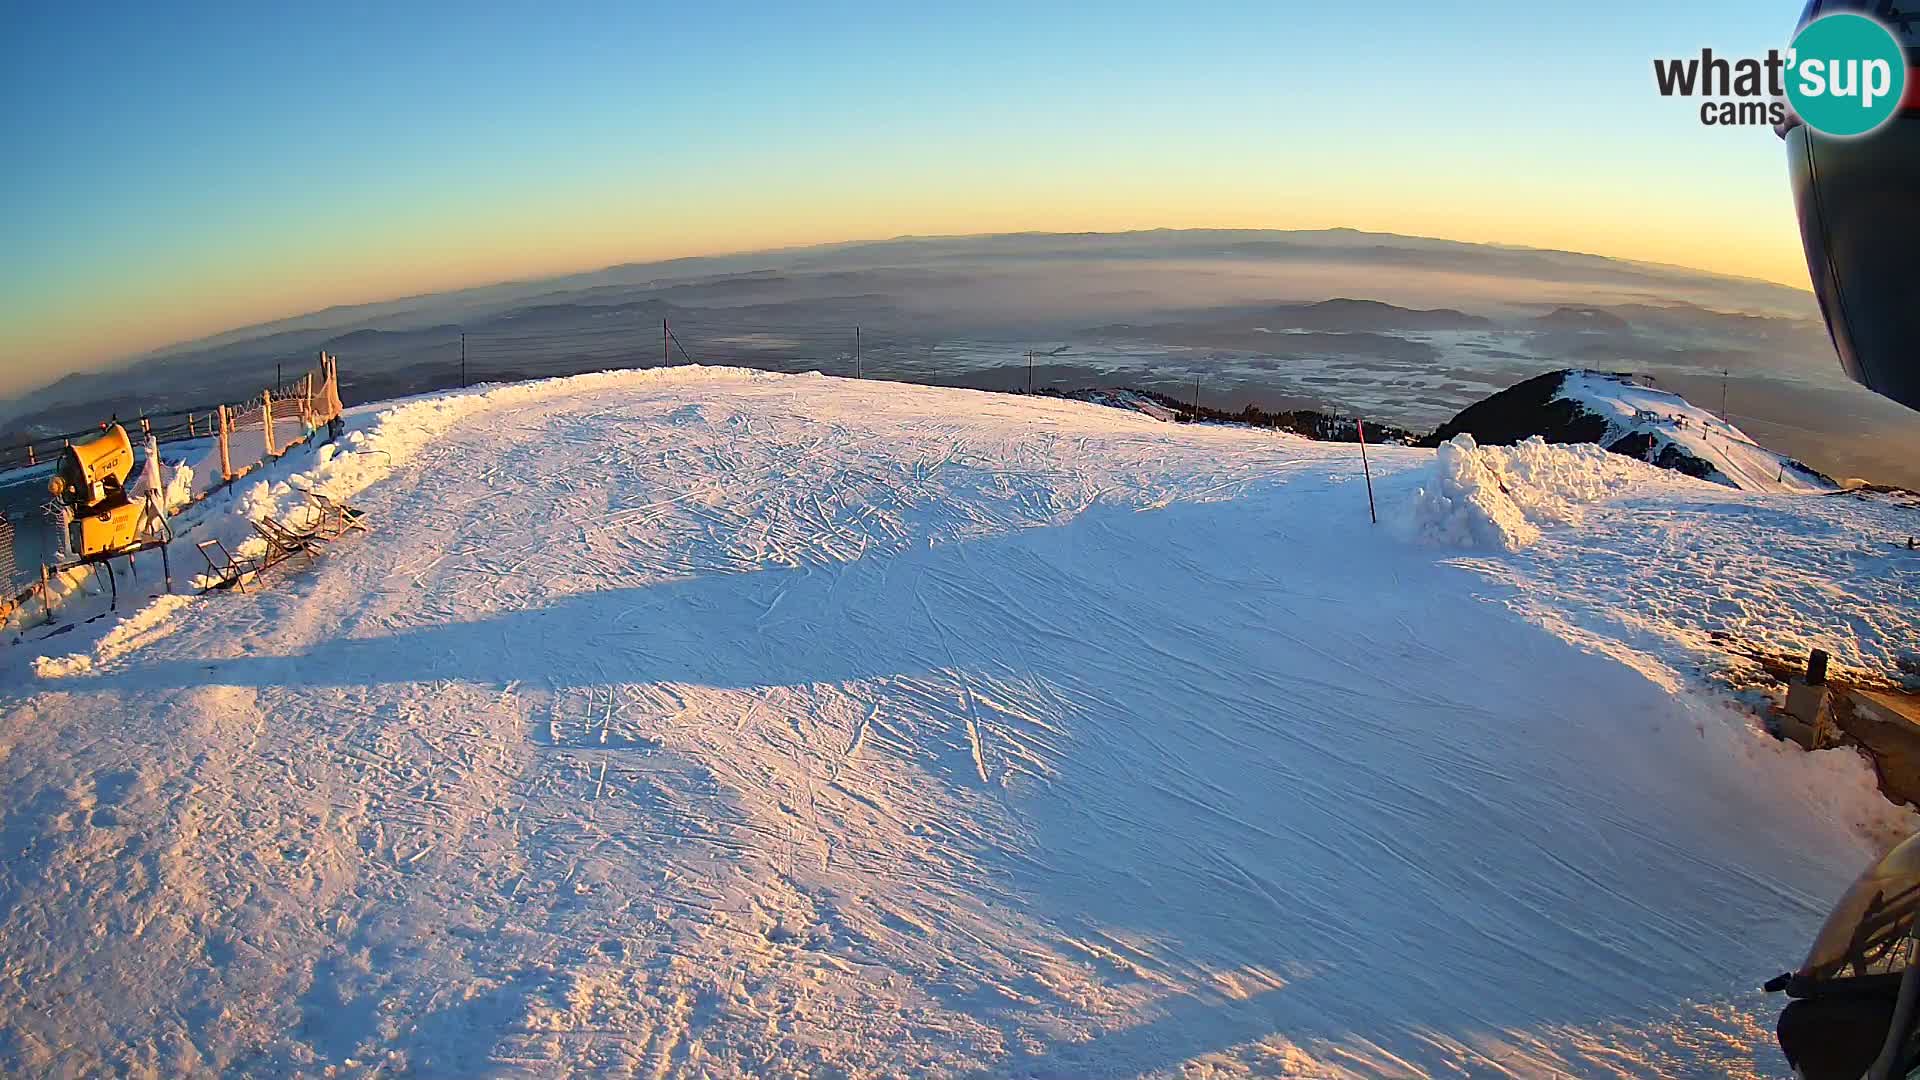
[1497,497]
[267,425]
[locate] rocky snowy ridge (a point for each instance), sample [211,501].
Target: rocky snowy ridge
[1634,420]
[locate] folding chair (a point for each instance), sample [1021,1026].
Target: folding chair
[284,543]
[336,518]
[227,571]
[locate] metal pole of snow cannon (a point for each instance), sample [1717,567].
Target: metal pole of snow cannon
[856,352]
[666,352]
[1361,426]
[157,506]
[463,360]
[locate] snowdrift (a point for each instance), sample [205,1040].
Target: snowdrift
[1498,497]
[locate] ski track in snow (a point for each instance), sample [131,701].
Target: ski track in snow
[792,725]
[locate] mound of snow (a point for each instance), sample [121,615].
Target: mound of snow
[1497,497]
[147,624]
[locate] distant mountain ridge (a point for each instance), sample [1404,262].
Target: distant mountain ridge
[1257,246]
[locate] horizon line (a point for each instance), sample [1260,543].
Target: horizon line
[162,351]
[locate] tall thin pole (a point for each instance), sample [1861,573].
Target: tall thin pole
[1029,371]
[463,358]
[1723,394]
[1367,469]
[856,352]
[666,355]
[276,380]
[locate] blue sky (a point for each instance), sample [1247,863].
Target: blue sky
[176,173]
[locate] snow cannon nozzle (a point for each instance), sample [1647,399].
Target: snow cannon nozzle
[95,471]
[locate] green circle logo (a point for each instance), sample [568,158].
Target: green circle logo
[1846,73]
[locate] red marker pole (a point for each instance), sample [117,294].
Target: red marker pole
[1367,469]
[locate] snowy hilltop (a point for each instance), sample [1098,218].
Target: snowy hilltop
[700,721]
[1634,420]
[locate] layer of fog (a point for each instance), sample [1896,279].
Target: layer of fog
[1165,310]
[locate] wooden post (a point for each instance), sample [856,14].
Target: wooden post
[30,460]
[266,418]
[1367,469]
[226,461]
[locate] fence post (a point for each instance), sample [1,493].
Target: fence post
[226,462]
[266,418]
[1368,470]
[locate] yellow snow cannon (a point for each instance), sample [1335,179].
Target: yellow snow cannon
[91,479]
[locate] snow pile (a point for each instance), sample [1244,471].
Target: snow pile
[1497,497]
[1667,429]
[142,627]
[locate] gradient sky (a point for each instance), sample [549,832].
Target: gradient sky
[174,173]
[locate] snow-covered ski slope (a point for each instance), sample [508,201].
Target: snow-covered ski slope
[701,722]
[1668,420]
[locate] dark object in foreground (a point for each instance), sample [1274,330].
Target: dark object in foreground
[1853,1010]
[1860,225]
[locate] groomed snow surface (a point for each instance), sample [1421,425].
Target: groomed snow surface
[708,722]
